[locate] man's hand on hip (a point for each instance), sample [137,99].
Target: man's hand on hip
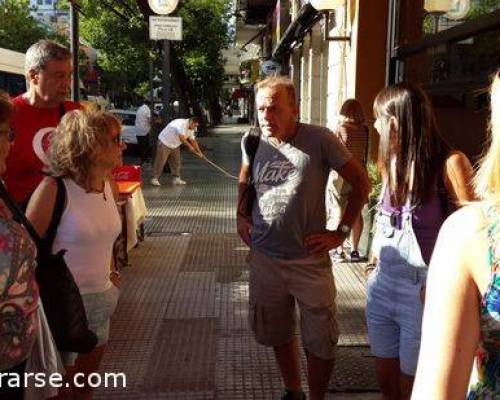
[322,243]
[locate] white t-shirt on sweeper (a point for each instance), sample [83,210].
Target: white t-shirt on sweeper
[170,135]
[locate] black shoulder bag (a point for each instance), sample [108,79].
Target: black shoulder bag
[60,295]
[251,145]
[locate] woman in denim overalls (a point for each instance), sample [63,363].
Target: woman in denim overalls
[422,179]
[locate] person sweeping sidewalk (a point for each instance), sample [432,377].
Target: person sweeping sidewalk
[177,132]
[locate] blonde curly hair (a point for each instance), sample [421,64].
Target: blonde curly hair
[76,142]
[487,179]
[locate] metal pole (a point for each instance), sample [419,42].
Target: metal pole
[166,89]
[75,47]
[151,83]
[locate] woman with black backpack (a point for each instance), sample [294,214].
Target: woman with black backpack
[84,150]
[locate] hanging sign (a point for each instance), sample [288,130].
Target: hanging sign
[270,67]
[165,28]
[163,7]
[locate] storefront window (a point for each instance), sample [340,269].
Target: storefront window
[449,47]
[465,49]
[440,15]
[472,59]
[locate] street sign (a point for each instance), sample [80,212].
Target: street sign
[163,7]
[270,67]
[165,28]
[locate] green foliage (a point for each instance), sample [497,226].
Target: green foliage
[120,36]
[376,182]
[18,29]
[206,33]
[142,90]
[481,7]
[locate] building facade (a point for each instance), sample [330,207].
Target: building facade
[353,48]
[327,67]
[450,47]
[46,11]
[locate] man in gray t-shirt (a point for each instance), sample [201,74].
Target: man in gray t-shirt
[281,216]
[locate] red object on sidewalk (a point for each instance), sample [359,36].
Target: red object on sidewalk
[127,173]
[128,179]
[127,188]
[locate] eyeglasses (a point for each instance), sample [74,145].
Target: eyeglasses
[9,132]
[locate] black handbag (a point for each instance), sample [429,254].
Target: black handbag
[251,146]
[60,295]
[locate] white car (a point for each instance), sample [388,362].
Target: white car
[129,131]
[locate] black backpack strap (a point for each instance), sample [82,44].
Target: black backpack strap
[50,235]
[251,144]
[17,214]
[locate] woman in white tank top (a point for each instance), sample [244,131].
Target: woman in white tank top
[84,149]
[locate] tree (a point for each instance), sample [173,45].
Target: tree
[481,7]
[18,29]
[206,33]
[118,31]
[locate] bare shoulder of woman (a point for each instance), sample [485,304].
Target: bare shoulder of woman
[458,175]
[464,236]
[41,204]
[46,189]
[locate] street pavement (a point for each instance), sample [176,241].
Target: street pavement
[180,329]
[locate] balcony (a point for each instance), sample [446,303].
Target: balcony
[255,12]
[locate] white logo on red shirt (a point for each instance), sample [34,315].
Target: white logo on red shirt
[41,143]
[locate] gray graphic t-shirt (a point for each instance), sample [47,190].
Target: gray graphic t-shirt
[290,180]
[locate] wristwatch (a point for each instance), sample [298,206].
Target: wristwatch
[344,229]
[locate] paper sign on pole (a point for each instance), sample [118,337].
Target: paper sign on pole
[165,28]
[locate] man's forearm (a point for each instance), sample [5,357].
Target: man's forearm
[190,147]
[355,202]
[195,146]
[246,198]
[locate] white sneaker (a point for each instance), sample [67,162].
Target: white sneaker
[155,182]
[178,181]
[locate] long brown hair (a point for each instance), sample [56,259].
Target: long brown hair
[352,112]
[417,139]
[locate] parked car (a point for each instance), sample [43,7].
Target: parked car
[129,131]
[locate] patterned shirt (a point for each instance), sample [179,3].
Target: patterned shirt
[488,354]
[18,292]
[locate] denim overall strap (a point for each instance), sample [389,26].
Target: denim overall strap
[399,253]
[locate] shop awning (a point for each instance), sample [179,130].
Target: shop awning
[306,19]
